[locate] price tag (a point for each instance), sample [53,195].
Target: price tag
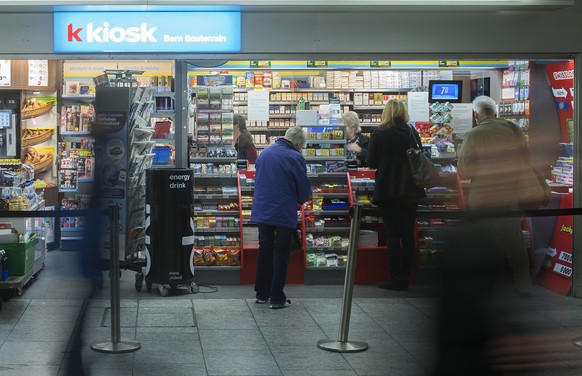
[260,64]
[564,270]
[380,64]
[566,257]
[316,63]
[448,63]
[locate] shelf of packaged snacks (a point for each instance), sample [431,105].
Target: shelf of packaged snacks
[331,142]
[310,90]
[214,176]
[212,159]
[330,158]
[210,196]
[259,129]
[331,194]
[315,248]
[328,212]
[214,212]
[216,267]
[442,196]
[326,229]
[325,268]
[328,175]
[383,90]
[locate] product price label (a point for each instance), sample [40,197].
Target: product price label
[563,270]
[380,63]
[260,64]
[566,257]
[448,63]
[316,64]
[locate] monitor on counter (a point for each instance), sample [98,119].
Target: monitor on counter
[445,91]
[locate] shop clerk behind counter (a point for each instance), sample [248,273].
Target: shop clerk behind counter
[357,146]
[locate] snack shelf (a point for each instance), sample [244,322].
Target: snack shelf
[215,196]
[211,159]
[214,212]
[216,267]
[315,159]
[328,175]
[326,229]
[214,176]
[331,142]
[326,249]
[247,189]
[328,212]
[320,268]
[363,189]
[217,230]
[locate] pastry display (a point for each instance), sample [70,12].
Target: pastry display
[34,107]
[40,160]
[33,136]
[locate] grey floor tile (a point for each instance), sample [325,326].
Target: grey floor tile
[301,337]
[395,311]
[39,331]
[223,320]
[292,317]
[28,370]
[256,363]
[308,358]
[369,363]
[378,341]
[303,372]
[428,361]
[192,369]
[327,306]
[96,360]
[420,346]
[101,334]
[165,319]
[168,302]
[32,353]
[128,318]
[179,334]
[51,314]
[155,352]
[221,305]
[375,303]
[165,310]
[330,323]
[56,302]
[232,340]
[106,303]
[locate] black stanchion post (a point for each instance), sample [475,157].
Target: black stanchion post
[343,345]
[116,345]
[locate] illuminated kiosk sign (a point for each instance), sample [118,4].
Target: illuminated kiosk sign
[147,32]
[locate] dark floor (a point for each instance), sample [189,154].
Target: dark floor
[226,333]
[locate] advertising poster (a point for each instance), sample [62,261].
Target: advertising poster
[418,106]
[562,80]
[5,71]
[38,72]
[556,272]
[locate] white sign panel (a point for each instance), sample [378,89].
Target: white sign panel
[258,105]
[38,73]
[462,118]
[5,71]
[418,106]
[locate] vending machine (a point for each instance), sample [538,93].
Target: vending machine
[9,126]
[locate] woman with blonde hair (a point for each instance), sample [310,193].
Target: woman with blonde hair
[357,143]
[394,190]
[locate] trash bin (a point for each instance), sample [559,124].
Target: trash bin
[169,229]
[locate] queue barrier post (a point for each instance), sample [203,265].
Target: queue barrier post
[343,345]
[116,345]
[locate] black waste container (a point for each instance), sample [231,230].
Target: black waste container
[169,228]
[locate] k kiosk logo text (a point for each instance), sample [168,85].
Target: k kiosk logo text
[105,34]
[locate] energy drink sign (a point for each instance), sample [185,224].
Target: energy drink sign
[79,32]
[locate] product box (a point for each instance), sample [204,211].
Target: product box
[336,166]
[338,134]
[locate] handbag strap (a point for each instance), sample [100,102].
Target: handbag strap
[416,144]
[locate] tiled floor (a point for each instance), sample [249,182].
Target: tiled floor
[226,333]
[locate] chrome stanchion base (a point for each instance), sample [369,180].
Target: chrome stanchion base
[337,346]
[116,348]
[577,342]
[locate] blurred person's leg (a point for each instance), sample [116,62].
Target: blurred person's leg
[393,233]
[471,278]
[407,220]
[264,274]
[282,252]
[511,233]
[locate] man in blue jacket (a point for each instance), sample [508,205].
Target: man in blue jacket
[281,183]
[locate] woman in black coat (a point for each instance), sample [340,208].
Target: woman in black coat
[395,191]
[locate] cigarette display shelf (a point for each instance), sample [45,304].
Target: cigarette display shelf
[515,94]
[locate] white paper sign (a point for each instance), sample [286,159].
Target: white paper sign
[564,270]
[566,257]
[418,106]
[258,105]
[38,73]
[462,118]
[5,71]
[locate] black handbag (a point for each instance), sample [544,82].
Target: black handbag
[424,172]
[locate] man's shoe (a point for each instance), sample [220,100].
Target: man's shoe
[261,301]
[279,306]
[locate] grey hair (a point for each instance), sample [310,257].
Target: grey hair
[352,121]
[484,105]
[297,136]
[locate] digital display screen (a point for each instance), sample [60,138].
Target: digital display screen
[446,91]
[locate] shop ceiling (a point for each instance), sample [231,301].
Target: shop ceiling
[289,5]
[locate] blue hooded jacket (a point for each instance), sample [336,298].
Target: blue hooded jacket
[281,183]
